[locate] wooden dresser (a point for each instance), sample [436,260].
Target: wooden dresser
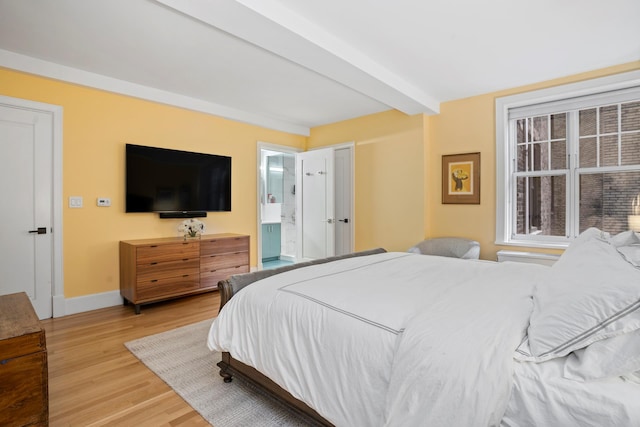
[24,390]
[157,269]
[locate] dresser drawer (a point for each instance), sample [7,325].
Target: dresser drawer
[167,252]
[210,279]
[225,245]
[216,262]
[164,270]
[161,288]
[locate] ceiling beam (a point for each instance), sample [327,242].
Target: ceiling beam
[290,36]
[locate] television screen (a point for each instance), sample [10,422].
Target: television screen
[173,181]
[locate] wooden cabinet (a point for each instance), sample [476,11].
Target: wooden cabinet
[156,269]
[24,392]
[271,241]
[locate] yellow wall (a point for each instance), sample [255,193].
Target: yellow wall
[96,126]
[389,176]
[397,173]
[468,125]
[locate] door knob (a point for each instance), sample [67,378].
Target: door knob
[346,220]
[330,220]
[40,230]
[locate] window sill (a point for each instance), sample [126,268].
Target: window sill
[534,244]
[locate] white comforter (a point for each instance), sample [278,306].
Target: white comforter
[393,339]
[541,396]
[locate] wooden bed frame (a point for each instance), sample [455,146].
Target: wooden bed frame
[230,367]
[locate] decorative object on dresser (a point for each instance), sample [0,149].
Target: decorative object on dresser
[191,228]
[24,390]
[153,270]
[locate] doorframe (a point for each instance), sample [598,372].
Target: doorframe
[57,276]
[271,147]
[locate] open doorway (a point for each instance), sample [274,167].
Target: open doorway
[283,228]
[277,233]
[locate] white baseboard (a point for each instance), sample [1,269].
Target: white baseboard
[88,303]
[59,306]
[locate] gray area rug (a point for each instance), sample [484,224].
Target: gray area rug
[181,358]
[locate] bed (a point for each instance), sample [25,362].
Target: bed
[399,339]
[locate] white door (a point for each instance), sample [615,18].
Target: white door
[26,153]
[316,220]
[343,197]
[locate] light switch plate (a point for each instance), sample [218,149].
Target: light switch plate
[75,201]
[103,201]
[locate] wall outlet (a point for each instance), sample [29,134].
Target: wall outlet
[75,201]
[104,201]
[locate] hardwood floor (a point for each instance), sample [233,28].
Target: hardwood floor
[95,381]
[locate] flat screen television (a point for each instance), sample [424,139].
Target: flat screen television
[176,184]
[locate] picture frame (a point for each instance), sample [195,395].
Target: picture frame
[461,179]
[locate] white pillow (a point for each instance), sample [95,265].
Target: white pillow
[592,293]
[631,253]
[587,235]
[625,238]
[608,358]
[628,244]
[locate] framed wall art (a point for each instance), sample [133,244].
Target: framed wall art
[461,179]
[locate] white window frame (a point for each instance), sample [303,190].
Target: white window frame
[504,191]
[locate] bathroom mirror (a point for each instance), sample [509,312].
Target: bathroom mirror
[275,181]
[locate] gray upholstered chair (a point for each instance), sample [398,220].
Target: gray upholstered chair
[455,247]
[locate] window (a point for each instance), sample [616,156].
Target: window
[568,158]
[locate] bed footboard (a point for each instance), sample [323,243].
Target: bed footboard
[233,284]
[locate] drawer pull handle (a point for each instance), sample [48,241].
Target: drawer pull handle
[154,263]
[154,280]
[213,271]
[153,246]
[185,259]
[185,275]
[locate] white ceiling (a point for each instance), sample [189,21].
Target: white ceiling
[292,65]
